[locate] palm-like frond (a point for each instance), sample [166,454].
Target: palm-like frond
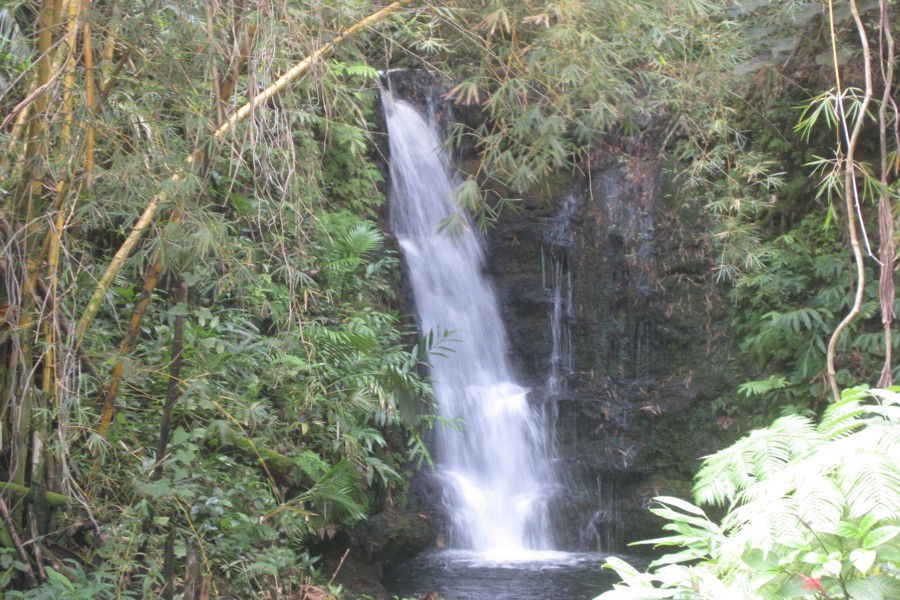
[819,501]
[794,479]
[361,240]
[755,458]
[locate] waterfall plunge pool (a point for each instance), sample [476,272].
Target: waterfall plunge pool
[532,575]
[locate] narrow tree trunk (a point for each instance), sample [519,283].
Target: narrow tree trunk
[885,216]
[173,385]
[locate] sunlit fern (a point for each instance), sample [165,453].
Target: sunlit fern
[808,505]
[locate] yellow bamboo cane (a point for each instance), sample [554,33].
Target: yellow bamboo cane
[159,199]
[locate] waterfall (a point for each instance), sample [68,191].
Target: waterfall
[558,247]
[495,469]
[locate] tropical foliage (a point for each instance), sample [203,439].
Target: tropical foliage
[812,512]
[202,369]
[813,321]
[554,79]
[200,365]
[786,312]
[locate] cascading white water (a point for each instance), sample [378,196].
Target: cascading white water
[495,471]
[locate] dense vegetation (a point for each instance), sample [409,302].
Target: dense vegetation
[202,365]
[201,362]
[812,512]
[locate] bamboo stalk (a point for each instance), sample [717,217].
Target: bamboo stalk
[109,49]
[115,265]
[134,327]
[32,183]
[21,492]
[69,70]
[211,46]
[229,84]
[885,215]
[41,461]
[303,66]
[150,211]
[89,95]
[58,6]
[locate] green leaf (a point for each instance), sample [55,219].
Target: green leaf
[154,489]
[681,504]
[58,578]
[862,559]
[179,310]
[293,361]
[864,589]
[758,560]
[620,566]
[179,436]
[833,567]
[880,536]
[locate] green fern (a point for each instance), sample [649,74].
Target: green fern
[819,500]
[763,386]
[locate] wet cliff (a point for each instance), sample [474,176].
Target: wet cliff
[617,327]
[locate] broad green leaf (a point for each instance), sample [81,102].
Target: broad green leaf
[862,559]
[681,504]
[833,567]
[880,536]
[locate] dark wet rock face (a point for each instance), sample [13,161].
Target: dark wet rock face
[645,327]
[392,536]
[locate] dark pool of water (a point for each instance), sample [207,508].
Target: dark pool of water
[461,575]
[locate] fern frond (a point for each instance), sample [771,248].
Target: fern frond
[871,484]
[762,386]
[361,241]
[820,503]
[753,458]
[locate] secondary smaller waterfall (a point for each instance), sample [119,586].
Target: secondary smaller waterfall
[496,471]
[558,247]
[604,530]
